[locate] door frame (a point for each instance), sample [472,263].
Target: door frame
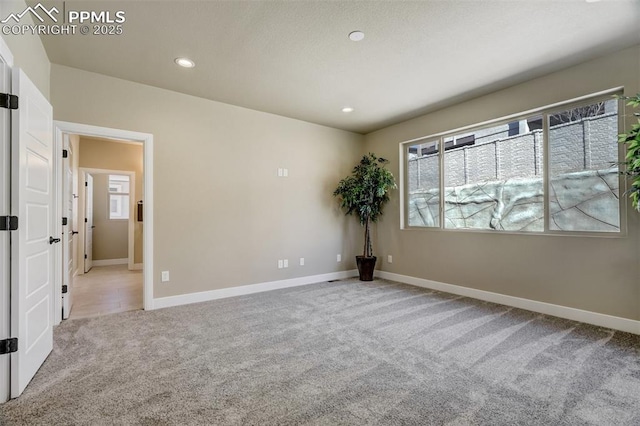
[5,249]
[132,204]
[61,128]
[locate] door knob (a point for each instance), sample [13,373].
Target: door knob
[53,240]
[74,232]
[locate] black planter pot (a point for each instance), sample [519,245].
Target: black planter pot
[366,265]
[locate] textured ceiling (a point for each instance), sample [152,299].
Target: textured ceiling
[294,58]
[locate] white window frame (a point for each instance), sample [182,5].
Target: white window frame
[120,197]
[544,111]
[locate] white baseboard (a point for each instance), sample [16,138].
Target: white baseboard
[110,262]
[602,320]
[184,299]
[137,267]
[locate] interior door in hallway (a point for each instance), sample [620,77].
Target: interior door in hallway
[67,230]
[32,243]
[88,223]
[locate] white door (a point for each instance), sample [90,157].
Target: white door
[88,223]
[5,178]
[67,230]
[31,249]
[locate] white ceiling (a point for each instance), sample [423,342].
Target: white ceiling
[294,58]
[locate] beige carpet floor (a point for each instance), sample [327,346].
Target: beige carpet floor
[346,352]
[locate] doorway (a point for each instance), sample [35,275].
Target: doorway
[111,231]
[142,261]
[109,278]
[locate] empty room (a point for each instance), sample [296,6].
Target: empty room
[320,212]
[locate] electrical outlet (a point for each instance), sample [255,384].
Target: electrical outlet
[302,261]
[339,258]
[285,172]
[280,172]
[389,258]
[280,264]
[286,263]
[165,276]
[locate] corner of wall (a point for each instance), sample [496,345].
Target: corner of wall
[28,51]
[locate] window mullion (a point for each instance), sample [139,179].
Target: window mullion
[622,178]
[442,184]
[405,175]
[545,170]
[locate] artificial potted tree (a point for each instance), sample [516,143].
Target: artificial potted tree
[364,194]
[632,158]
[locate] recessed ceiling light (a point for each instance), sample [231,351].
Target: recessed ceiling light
[185,62]
[356,35]
[347,109]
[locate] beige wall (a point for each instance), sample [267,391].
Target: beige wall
[591,273]
[28,51]
[110,237]
[108,155]
[222,216]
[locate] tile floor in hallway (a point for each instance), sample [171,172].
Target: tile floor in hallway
[106,290]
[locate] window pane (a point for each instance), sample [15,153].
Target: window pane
[583,174]
[493,178]
[119,184]
[423,168]
[118,206]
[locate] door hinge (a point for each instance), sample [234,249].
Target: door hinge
[8,223]
[64,289]
[65,153]
[86,184]
[8,101]
[8,346]
[85,256]
[85,220]
[64,221]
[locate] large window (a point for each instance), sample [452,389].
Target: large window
[552,171]
[118,197]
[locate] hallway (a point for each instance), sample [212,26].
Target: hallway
[106,290]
